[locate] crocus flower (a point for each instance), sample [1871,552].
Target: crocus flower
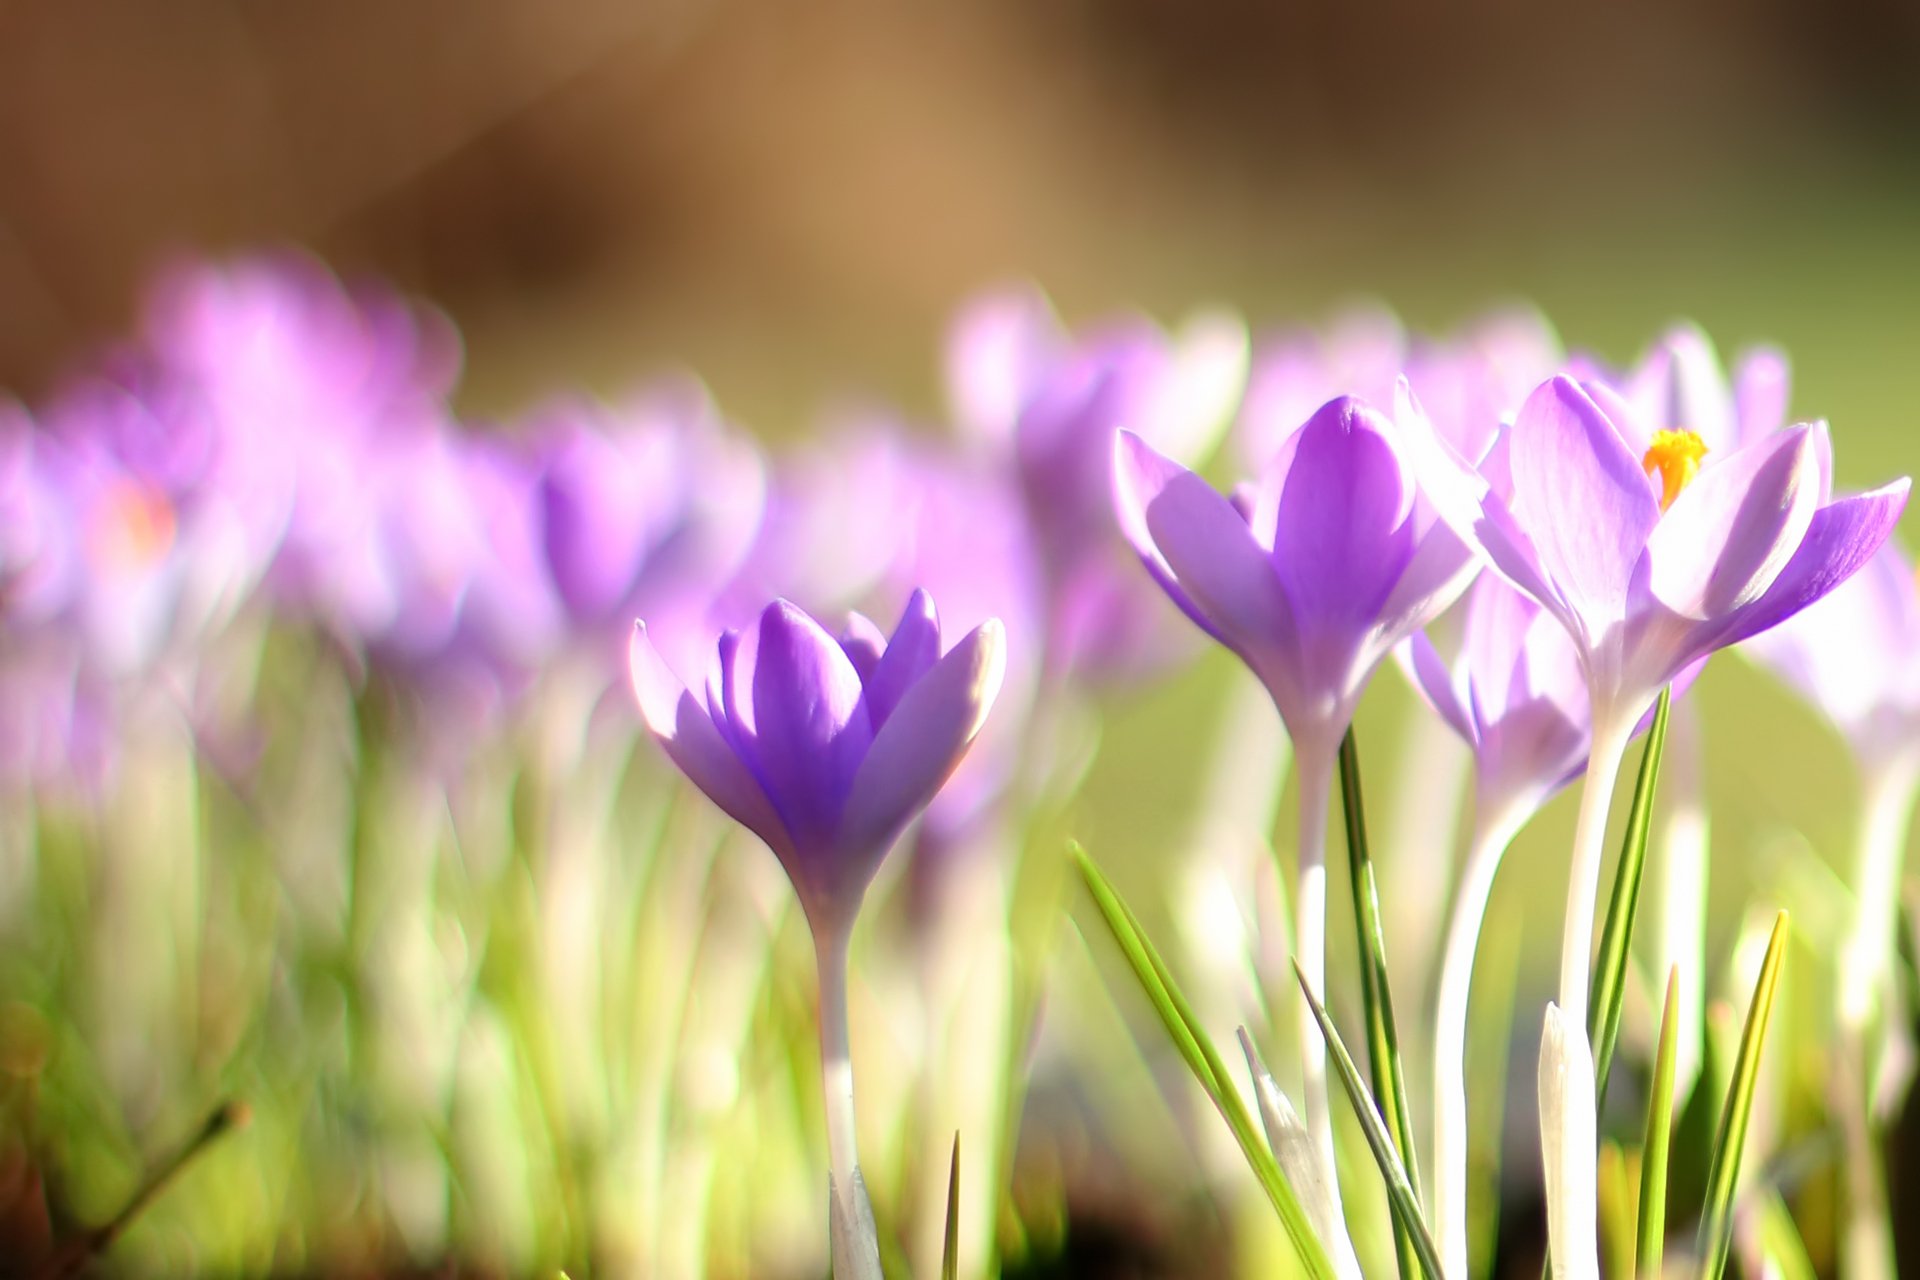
[1311,576]
[826,750]
[1855,657]
[643,507]
[869,515]
[1515,692]
[1652,554]
[1044,404]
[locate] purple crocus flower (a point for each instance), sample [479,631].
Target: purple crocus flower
[1652,554]
[1855,657]
[1516,693]
[1045,404]
[645,506]
[1311,575]
[826,749]
[1470,381]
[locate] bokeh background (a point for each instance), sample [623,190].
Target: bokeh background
[790,199]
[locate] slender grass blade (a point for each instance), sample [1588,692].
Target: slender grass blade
[1716,1220]
[1651,1231]
[950,1251]
[1383,1040]
[1177,1015]
[1400,1196]
[1609,987]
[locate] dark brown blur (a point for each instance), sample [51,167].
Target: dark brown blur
[797,192]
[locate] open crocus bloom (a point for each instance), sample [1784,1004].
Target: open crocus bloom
[1313,572]
[1650,550]
[825,749]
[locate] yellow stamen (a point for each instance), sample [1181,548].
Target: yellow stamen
[1676,456]
[132,527]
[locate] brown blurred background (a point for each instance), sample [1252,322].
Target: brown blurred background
[788,196]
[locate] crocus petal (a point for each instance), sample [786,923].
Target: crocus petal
[1185,408]
[1842,537]
[863,642]
[909,655]
[1679,388]
[1341,535]
[996,351]
[1436,684]
[1465,497]
[809,729]
[1199,547]
[694,743]
[1760,389]
[1583,500]
[1730,533]
[920,744]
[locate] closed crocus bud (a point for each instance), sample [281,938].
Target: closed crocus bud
[826,749]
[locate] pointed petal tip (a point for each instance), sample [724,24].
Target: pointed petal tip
[655,687]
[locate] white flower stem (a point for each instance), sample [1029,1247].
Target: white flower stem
[856,1248]
[1493,832]
[1314,770]
[1886,811]
[1610,736]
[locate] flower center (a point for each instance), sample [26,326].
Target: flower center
[1676,456]
[132,528]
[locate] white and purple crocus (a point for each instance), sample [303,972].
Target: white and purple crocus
[1310,575]
[827,749]
[1652,553]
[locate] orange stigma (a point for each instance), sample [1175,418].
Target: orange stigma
[1676,456]
[132,527]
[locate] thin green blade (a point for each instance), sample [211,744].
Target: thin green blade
[1723,1176]
[1609,988]
[1406,1207]
[1383,1040]
[950,1251]
[1205,1063]
[1651,1233]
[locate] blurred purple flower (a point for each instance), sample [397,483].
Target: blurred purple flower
[1855,656]
[645,508]
[825,749]
[1470,382]
[1046,404]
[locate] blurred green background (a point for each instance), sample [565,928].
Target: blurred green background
[789,199]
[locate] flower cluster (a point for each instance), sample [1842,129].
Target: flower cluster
[1541,542]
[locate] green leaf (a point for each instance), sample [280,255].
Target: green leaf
[950,1252]
[1400,1196]
[1613,1184]
[1780,1241]
[1183,1025]
[1651,1233]
[1716,1220]
[1383,1041]
[1609,988]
